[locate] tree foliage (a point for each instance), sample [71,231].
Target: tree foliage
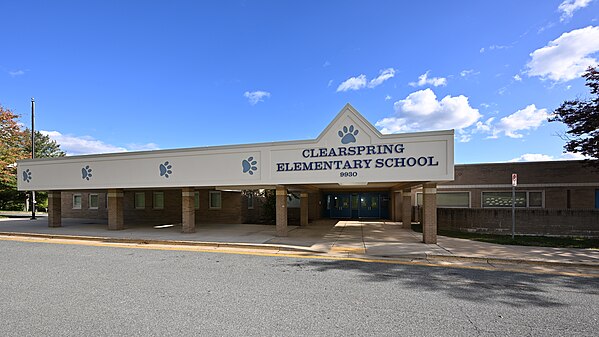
[15,144]
[582,118]
[45,147]
[11,150]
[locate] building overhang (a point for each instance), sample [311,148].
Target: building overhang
[349,153]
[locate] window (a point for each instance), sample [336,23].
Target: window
[504,199]
[76,201]
[93,201]
[449,199]
[158,201]
[535,199]
[196,200]
[140,200]
[293,201]
[250,197]
[215,199]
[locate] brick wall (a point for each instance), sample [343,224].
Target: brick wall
[567,222]
[67,210]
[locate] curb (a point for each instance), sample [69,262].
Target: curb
[164,242]
[498,260]
[296,249]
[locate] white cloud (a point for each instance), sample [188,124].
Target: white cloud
[468,72]
[422,111]
[517,78]
[424,80]
[529,118]
[14,73]
[78,145]
[353,83]
[546,157]
[256,96]
[494,47]
[568,7]
[330,83]
[566,57]
[388,97]
[360,82]
[383,76]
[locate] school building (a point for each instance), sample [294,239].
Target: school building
[351,171]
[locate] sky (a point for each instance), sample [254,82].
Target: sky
[112,76]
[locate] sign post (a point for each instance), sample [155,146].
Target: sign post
[514,184]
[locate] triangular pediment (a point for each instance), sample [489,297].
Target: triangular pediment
[347,128]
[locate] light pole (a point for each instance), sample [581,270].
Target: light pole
[32,153]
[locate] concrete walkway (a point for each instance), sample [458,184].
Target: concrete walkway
[381,239]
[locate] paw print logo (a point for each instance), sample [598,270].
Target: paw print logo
[165,169]
[348,135]
[27,175]
[249,165]
[86,172]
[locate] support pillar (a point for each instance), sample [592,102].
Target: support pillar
[406,208]
[303,209]
[116,219]
[281,205]
[54,209]
[429,214]
[188,209]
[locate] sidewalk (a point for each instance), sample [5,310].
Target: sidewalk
[368,239]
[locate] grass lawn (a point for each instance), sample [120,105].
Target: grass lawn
[542,241]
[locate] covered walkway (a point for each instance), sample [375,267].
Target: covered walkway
[340,238]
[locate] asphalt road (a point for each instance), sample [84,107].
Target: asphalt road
[70,290]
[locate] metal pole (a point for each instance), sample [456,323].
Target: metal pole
[513,210]
[32,153]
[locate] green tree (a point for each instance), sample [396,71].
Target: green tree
[11,150]
[582,118]
[15,144]
[45,147]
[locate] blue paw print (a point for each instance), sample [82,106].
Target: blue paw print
[348,135]
[165,169]
[86,172]
[249,165]
[27,175]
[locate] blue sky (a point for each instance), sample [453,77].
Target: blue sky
[132,75]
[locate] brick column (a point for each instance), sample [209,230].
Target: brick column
[54,209]
[429,213]
[406,208]
[303,209]
[281,211]
[116,219]
[188,209]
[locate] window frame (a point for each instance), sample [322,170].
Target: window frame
[90,201]
[135,199]
[220,199]
[154,203]
[527,193]
[446,192]
[75,195]
[196,200]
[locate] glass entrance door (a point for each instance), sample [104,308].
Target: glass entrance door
[340,207]
[369,205]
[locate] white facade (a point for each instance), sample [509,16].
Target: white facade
[349,152]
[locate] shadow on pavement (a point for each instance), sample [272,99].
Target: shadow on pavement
[509,288]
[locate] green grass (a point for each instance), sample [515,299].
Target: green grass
[521,240]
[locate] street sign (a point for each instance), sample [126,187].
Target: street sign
[514,179]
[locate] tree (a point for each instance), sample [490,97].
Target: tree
[11,150]
[582,119]
[44,146]
[15,144]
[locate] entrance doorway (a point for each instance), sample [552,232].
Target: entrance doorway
[357,205]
